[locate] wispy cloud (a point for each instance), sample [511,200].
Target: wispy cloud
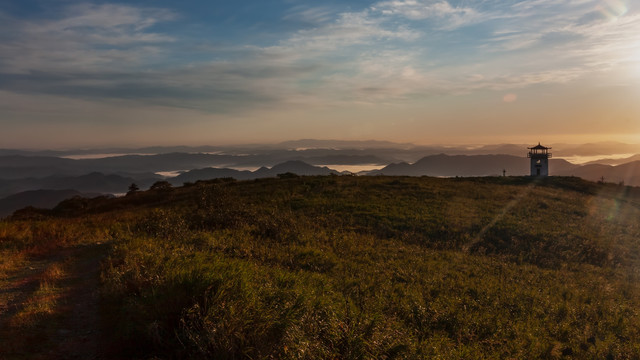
[574,34]
[86,37]
[387,53]
[105,51]
[309,15]
[348,29]
[449,17]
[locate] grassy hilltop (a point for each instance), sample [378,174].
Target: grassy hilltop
[330,267]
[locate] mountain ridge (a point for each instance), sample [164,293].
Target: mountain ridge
[43,199]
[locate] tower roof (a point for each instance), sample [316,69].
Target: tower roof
[539,147]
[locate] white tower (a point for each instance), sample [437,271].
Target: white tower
[539,156]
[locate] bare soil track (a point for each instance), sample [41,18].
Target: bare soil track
[49,308]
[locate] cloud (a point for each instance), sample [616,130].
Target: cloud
[606,42]
[104,52]
[347,30]
[111,18]
[450,17]
[315,16]
[390,53]
[88,37]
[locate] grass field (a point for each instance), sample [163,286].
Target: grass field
[336,267]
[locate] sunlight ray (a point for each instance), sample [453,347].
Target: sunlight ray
[505,210]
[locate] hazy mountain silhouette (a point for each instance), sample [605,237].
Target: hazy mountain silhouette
[484,165]
[128,163]
[27,170]
[296,167]
[93,182]
[23,161]
[467,165]
[615,161]
[35,172]
[629,173]
[342,144]
[595,149]
[16,164]
[20,166]
[211,173]
[599,148]
[340,159]
[44,199]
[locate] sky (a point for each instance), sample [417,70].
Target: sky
[201,72]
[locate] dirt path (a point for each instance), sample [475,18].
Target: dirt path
[15,291]
[49,309]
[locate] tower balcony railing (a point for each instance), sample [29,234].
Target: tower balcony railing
[539,154]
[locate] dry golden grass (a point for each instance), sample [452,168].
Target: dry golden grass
[346,267]
[9,262]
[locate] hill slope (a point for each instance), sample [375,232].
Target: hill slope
[46,199]
[355,267]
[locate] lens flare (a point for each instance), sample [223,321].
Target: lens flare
[613,9]
[508,98]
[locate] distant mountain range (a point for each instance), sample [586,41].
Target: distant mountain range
[295,167]
[468,165]
[137,166]
[311,151]
[21,166]
[20,193]
[628,173]
[93,183]
[93,171]
[615,161]
[595,149]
